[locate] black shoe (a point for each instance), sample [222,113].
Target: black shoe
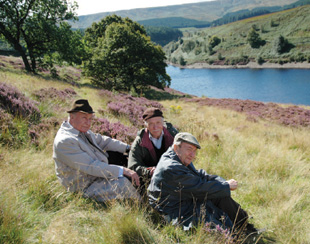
[250,229]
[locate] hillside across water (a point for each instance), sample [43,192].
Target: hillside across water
[201,11]
[280,38]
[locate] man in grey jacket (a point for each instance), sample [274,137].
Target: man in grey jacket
[188,196]
[81,160]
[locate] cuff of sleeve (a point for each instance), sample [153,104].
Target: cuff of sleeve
[121,172]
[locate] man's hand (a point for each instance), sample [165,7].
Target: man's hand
[233,184]
[151,169]
[132,175]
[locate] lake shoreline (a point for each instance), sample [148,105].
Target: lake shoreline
[250,65]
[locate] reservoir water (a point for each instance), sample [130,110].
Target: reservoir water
[291,86]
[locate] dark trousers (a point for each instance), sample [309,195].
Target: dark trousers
[118,158]
[237,215]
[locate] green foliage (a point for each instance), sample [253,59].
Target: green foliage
[220,57]
[174,22]
[273,23]
[38,28]
[242,14]
[163,35]
[254,39]
[214,41]
[281,45]
[210,50]
[246,13]
[188,46]
[292,24]
[182,61]
[260,60]
[122,57]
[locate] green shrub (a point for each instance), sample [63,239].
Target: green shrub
[260,60]
[254,39]
[281,45]
[188,46]
[214,41]
[198,50]
[182,61]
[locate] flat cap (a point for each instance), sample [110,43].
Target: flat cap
[81,105]
[186,137]
[151,113]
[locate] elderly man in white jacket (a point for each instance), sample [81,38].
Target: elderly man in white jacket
[81,160]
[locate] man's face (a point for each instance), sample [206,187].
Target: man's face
[186,152]
[81,121]
[155,126]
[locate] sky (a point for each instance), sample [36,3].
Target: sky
[97,6]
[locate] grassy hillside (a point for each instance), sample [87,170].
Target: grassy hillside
[202,11]
[233,47]
[270,160]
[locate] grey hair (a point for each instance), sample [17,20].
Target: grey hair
[145,122]
[177,143]
[70,115]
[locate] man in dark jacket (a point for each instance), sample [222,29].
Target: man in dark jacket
[150,144]
[188,196]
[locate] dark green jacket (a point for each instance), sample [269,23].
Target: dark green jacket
[183,193]
[142,154]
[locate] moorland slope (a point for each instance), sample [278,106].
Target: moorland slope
[263,146]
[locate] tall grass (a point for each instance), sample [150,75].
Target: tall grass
[270,161]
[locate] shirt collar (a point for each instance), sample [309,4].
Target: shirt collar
[157,142]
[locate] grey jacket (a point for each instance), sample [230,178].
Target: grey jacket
[181,192]
[78,163]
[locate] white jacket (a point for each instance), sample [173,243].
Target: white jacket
[78,163]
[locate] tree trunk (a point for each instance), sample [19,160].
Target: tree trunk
[33,60]
[19,49]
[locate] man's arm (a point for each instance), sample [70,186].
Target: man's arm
[108,144]
[68,152]
[191,185]
[136,160]
[208,177]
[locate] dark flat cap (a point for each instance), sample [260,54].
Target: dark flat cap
[186,137]
[151,113]
[81,105]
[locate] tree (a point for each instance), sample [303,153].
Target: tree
[182,60]
[122,57]
[254,39]
[188,46]
[281,45]
[163,35]
[35,28]
[214,41]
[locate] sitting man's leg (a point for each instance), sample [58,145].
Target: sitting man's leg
[234,211]
[105,190]
[118,158]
